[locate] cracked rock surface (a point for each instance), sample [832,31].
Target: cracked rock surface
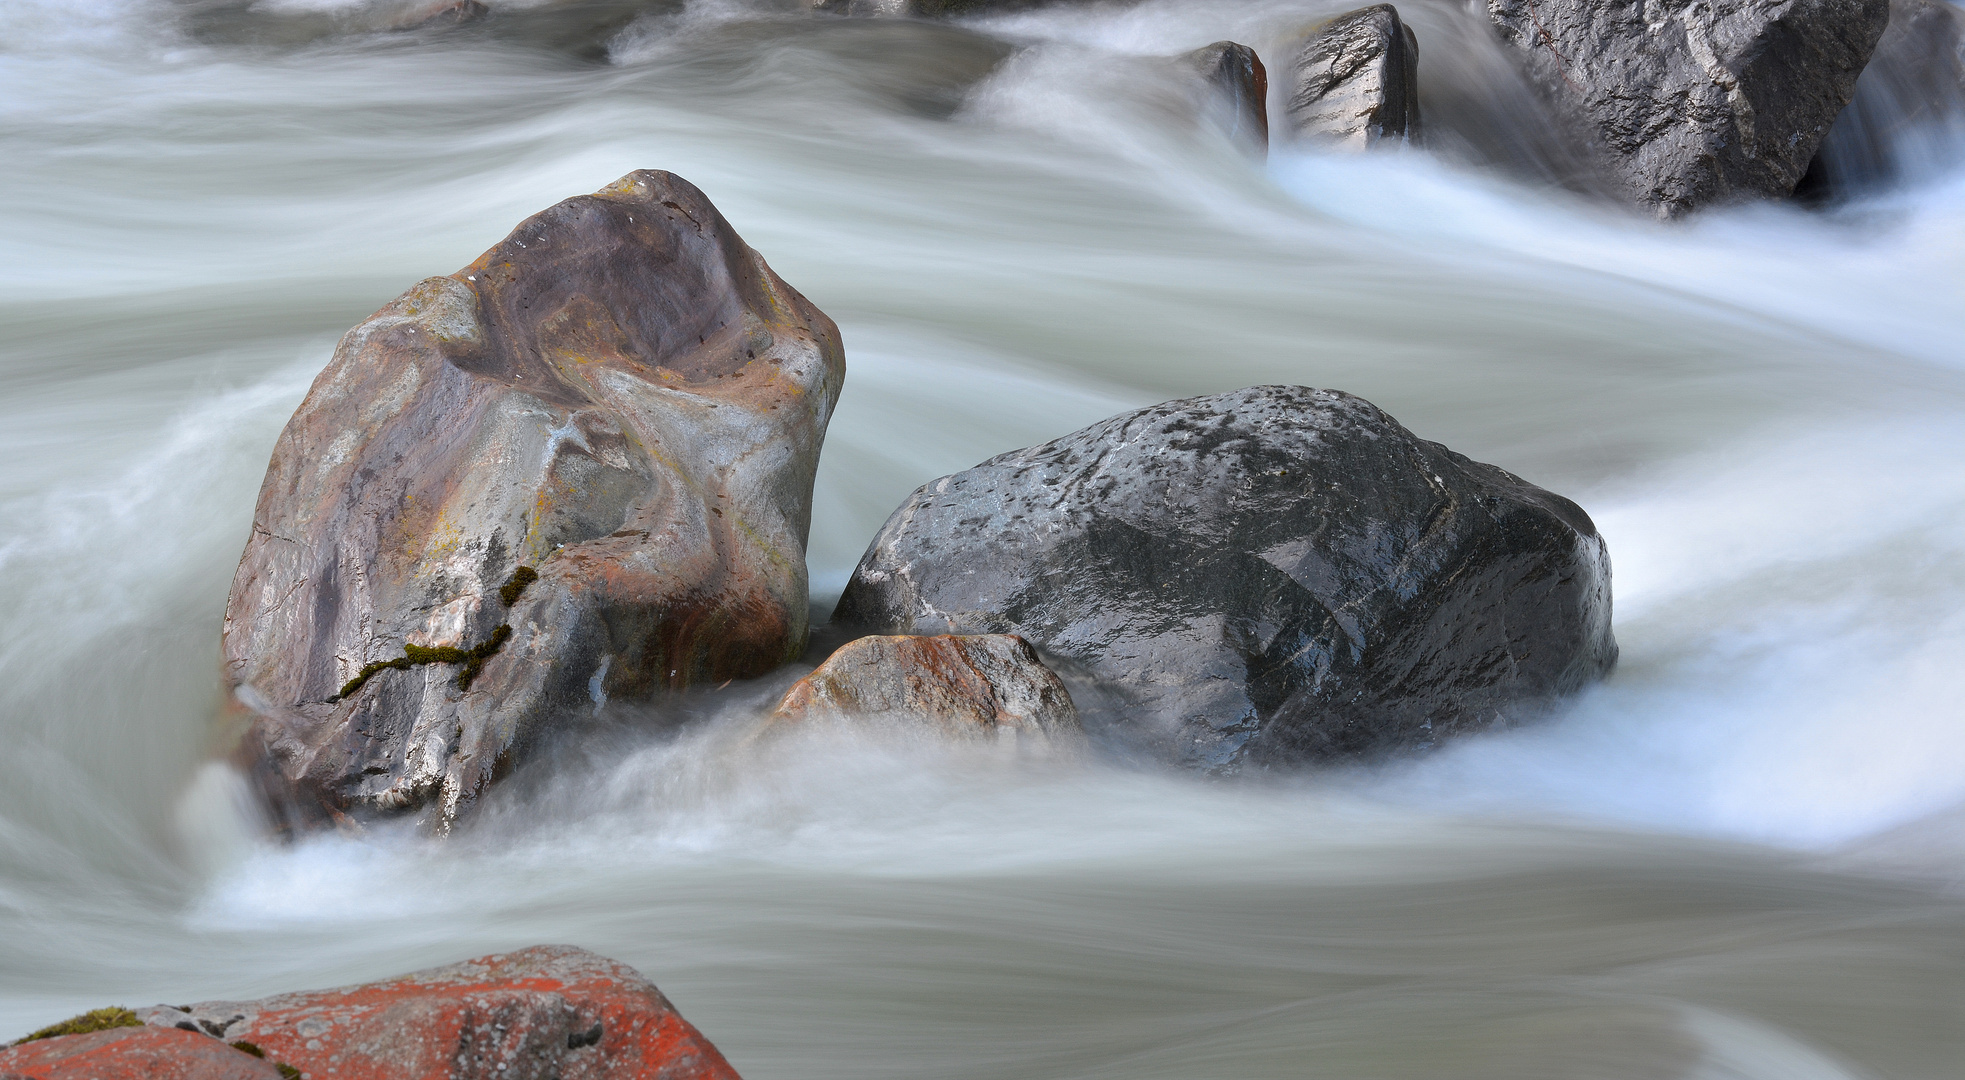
[1274,575]
[622,396]
[1356,81]
[1689,103]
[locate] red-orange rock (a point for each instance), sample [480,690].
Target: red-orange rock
[132,1053]
[620,398]
[966,687]
[551,1011]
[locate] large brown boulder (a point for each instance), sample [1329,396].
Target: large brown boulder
[1356,81]
[551,1011]
[581,467]
[131,1052]
[967,688]
[1264,577]
[1690,104]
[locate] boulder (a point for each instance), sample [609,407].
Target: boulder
[1689,104]
[581,467]
[1269,576]
[1238,90]
[969,688]
[551,1011]
[131,1052]
[1356,81]
[1909,108]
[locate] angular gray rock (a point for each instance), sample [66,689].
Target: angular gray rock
[1355,83]
[1274,575]
[1909,110]
[966,688]
[1691,103]
[579,468]
[1238,88]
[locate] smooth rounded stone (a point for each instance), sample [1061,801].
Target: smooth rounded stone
[132,1052]
[967,688]
[1274,575]
[1908,112]
[1238,91]
[550,1011]
[1356,81]
[620,400]
[1687,105]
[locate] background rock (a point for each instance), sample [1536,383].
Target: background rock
[1274,575]
[622,396]
[1356,81]
[1908,113]
[551,1011]
[979,688]
[1239,86]
[1692,104]
[132,1052]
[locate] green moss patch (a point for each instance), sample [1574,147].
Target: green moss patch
[523,576]
[472,658]
[93,1020]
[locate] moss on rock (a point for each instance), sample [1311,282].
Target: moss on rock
[94,1020]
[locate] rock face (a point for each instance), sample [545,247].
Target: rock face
[132,1052]
[547,1011]
[975,688]
[1693,104]
[1356,81]
[1909,108]
[1275,575]
[580,467]
[1234,77]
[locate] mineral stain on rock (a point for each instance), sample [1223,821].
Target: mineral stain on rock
[590,450]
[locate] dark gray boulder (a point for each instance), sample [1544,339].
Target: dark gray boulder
[1356,81]
[1908,114]
[1237,86]
[1688,104]
[1275,575]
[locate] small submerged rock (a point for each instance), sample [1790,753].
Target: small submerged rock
[1356,81]
[967,688]
[581,467]
[1690,104]
[1270,576]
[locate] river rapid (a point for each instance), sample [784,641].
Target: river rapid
[1740,858]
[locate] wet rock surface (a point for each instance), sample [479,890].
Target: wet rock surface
[1355,82]
[1276,575]
[1238,88]
[580,468]
[1908,112]
[546,1011]
[974,688]
[131,1052]
[1690,104]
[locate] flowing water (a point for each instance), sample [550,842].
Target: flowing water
[1743,856]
